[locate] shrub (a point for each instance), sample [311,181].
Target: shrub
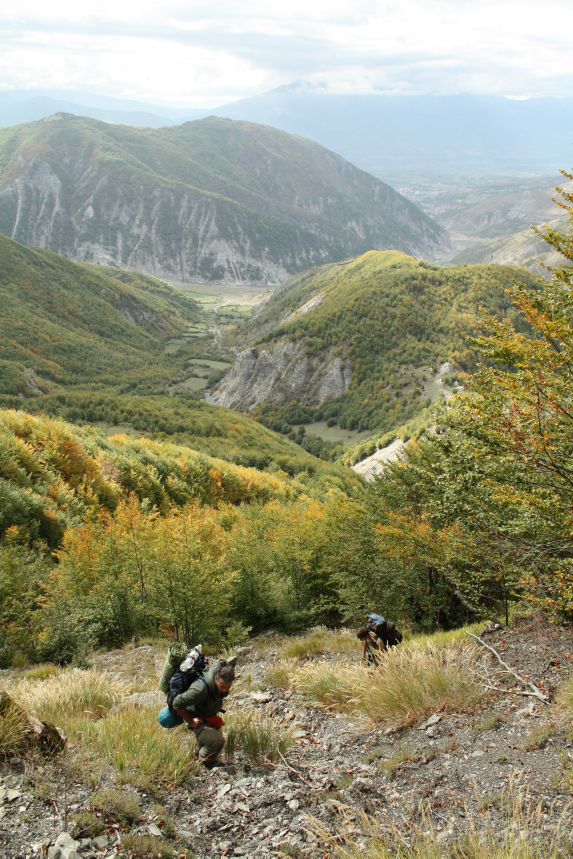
[261,737]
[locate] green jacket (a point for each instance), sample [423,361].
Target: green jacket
[200,700]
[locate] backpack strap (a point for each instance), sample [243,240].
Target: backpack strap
[171,696]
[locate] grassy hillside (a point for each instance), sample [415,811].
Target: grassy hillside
[211,200]
[73,324]
[396,319]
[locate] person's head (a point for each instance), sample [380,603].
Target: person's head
[224,677]
[362,633]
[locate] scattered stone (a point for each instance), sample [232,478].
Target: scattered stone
[223,790]
[261,697]
[297,735]
[99,843]
[11,795]
[154,830]
[67,847]
[432,720]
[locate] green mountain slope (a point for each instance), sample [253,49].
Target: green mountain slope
[209,200]
[63,323]
[87,344]
[369,342]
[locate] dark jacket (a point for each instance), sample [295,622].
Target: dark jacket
[198,698]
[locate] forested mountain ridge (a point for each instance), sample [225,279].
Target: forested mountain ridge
[358,338]
[65,323]
[211,200]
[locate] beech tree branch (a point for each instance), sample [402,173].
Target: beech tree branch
[537,693]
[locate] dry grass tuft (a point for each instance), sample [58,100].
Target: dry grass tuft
[448,638]
[45,669]
[262,737]
[321,640]
[117,804]
[407,684]
[537,738]
[488,723]
[524,833]
[13,733]
[146,847]
[133,740]
[401,755]
[280,673]
[62,697]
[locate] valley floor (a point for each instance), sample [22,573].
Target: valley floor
[443,776]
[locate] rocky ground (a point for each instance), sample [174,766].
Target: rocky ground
[458,765]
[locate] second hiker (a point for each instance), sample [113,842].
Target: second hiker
[200,705]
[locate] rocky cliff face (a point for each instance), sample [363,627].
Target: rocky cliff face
[280,373]
[212,200]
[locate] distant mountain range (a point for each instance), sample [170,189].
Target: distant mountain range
[210,200]
[387,135]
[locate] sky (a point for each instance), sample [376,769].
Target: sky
[190,54]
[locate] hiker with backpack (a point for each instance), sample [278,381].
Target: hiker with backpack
[195,694]
[200,705]
[378,635]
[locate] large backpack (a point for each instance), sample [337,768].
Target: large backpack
[175,656]
[189,670]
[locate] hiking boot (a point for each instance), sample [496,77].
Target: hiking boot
[211,765]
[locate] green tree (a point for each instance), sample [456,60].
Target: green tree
[520,415]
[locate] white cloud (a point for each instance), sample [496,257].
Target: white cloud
[187,53]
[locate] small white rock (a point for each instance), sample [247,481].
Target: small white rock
[432,720]
[11,795]
[223,790]
[154,830]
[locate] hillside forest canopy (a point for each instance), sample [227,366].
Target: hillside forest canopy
[106,537]
[394,318]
